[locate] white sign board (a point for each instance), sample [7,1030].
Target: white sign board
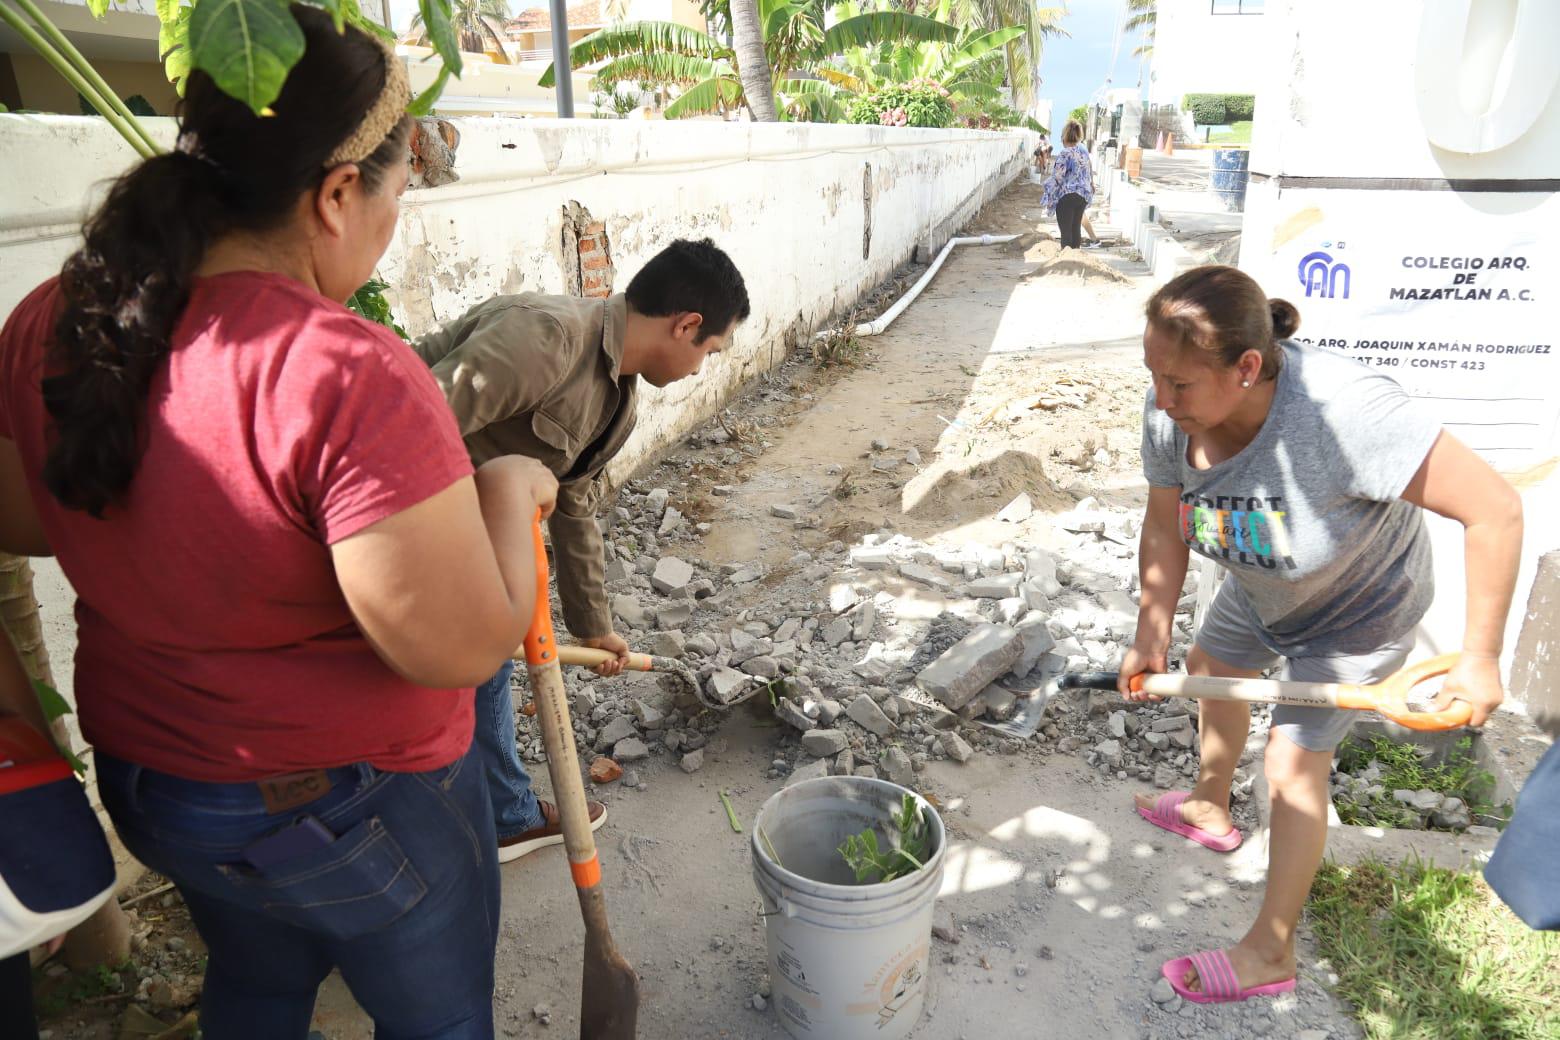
[1457,297]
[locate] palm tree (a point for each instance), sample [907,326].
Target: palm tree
[479,24]
[747,41]
[973,66]
[796,44]
[1023,53]
[1145,17]
[103,938]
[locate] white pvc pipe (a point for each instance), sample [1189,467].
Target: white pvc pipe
[884,320]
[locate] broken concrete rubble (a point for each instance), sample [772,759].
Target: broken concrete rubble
[966,669]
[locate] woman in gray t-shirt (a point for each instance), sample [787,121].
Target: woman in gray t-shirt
[1303,474]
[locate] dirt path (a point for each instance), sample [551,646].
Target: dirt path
[1007,375]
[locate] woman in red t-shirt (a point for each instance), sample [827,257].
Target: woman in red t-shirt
[288,576]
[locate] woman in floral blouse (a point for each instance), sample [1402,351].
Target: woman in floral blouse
[1071,186]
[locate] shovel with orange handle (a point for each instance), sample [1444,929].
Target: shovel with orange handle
[609,995]
[1389,697]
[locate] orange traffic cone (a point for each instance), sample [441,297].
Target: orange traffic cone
[1169,144]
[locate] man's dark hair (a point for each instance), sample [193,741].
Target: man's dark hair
[692,276]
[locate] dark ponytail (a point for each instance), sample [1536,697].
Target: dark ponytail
[126,287]
[1286,318]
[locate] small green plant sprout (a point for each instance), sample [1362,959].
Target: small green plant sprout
[909,847]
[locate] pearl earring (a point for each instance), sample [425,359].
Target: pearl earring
[1246,384]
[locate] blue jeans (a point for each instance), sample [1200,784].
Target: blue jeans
[404,902]
[509,786]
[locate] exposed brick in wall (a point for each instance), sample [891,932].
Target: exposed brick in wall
[587,253]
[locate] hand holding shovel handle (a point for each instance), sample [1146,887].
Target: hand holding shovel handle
[1389,697]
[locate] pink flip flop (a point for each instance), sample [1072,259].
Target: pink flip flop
[1166,813]
[1217,976]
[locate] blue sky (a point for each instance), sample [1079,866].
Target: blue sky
[1072,68]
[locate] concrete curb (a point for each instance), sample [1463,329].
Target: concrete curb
[1138,222]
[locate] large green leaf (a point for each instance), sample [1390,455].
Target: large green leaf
[246,46]
[975,90]
[984,44]
[663,68]
[638,38]
[439,23]
[814,108]
[776,13]
[705,98]
[816,99]
[173,42]
[864,30]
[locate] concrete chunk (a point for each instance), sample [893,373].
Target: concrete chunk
[956,746]
[863,620]
[727,682]
[1040,569]
[970,665]
[671,574]
[866,714]
[628,610]
[1018,510]
[619,729]
[669,644]
[1001,586]
[648,715]
[789,712]
[924,575]
[1000,703]
[674,616]
[631,750]
[1011,610]
[842,598]
[822,743]
[762,666]
[872,557]
[1038,642]
[814,770]
[897,768]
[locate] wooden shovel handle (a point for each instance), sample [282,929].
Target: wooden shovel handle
[552,710]
[590,657]
[1389,697]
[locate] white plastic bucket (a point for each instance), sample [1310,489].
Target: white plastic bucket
[846,961]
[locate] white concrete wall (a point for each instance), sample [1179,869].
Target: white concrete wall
[1344,104]
[1197,52]
[1376,203]
[789,202]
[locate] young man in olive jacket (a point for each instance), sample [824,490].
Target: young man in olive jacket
[556,378]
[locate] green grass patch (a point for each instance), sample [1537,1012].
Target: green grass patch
[1425,953]
[1237,133]
[1404,767]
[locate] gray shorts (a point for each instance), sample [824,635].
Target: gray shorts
[1227,635]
